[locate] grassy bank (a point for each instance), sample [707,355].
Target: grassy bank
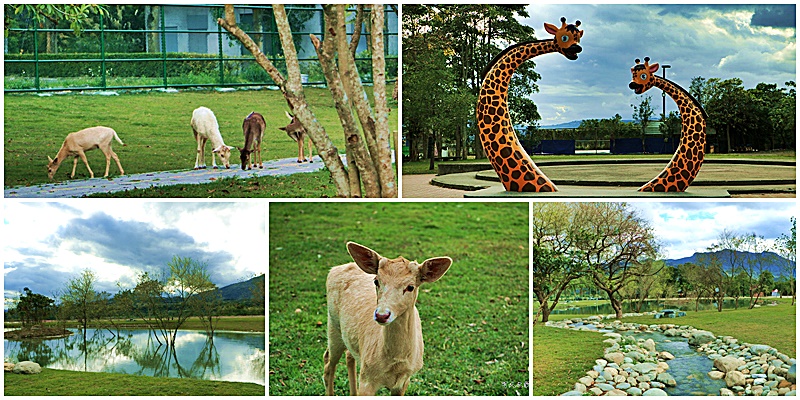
[771,325]
[154,126]
[475,318]
[52,382]
[247,323]
[560,356]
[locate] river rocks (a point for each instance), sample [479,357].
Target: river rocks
[791,374]
[734,378]
[604,387]
[725,392]
[615,357]
[572,393]
[760,349]
[644,368]
[649,345]
[586,381]
[579,387]
[616,392]
[726,364]
[716,375]
[27,367]
[666,355]
[654,392]
[666,379]
[701,337]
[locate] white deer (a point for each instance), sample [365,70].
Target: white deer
[77,143]
[373,318]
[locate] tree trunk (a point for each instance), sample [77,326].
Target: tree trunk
[357,27]
[292,91]
[357,153]
[385,171]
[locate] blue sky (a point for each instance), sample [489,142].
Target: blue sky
[47,243]
[688,227]
[756,43]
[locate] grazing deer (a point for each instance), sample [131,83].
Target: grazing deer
[206,128]
[253,129]
[297,132]
[77,143]
[372,318]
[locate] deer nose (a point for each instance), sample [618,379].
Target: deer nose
[382,318]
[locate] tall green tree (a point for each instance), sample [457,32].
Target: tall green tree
[642,113]
[81,299]
[786,247]
[32,308]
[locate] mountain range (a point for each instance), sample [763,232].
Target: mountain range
[241,290]
[772,261]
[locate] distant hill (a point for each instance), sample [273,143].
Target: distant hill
[240,290]
[773,262]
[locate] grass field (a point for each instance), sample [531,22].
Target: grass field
[422,167]
[314,184]
[154,126]
[560,357]
[475,318]
[53,382]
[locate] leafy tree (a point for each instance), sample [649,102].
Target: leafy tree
[671,125]
[32,308]
[616,245]
[786,247]
[642,113]
[81,299]
[556,264]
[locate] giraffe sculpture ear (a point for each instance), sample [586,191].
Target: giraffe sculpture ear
[550,28]
[653,68]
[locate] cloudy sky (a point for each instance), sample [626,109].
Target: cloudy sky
[47,243]
[756,43]
[689,227]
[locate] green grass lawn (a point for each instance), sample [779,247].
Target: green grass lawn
[314,184]
[422,167]
[561,357]
[475,318]
[53,382]
[154,126]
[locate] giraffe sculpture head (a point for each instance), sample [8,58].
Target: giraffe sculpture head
[642,76]
[567,38]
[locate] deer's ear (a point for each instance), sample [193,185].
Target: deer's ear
[550,28]
[50,159]
[366,258]
[433,268]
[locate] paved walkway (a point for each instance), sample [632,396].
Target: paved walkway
[419,186]
[83,187]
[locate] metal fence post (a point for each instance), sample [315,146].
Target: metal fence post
[163,44]
[36,57]
[221,62]
[102,54]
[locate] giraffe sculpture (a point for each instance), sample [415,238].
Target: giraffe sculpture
[515,168]
[683,168]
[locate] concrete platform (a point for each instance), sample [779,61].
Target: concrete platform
[593,192]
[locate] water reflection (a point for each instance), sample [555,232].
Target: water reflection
[227,356]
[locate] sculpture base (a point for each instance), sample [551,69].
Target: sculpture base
[594,192]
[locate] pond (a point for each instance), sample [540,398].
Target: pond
[648,305]
[228,356]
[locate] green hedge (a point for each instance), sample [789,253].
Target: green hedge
[151,69]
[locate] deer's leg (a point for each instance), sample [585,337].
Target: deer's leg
[260,161]
[85,161]
[108,159]
[74,165]
[299,149]
[310,150]
[332,355]
[116,158]
[199,160]
[351,373]
[401,391]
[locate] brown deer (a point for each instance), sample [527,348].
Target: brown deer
[297,132]
[372,318]
[253,129]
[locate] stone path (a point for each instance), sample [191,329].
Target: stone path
[116,183]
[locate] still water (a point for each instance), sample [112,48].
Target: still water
[229,356]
